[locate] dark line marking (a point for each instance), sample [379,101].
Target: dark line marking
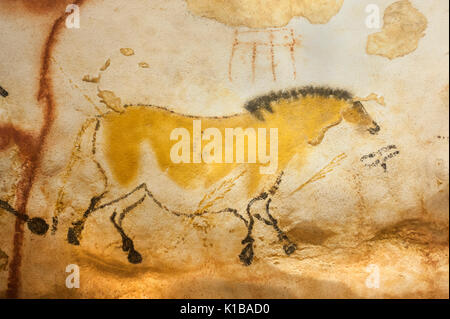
[36,225]
[74,234]
[289,247]
[134,256]
[3,92]
[259,103]
[379,158]
[32,163]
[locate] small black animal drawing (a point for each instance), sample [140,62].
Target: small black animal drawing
[380,157]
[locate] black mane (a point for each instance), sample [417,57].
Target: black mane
[255,105]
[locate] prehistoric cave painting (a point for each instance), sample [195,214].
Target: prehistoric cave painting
[143,65]
[426,279]
[36,225]
[265,14]
[154,124]
[323,172]
[127,51]
[3,92]
[92,79]
[380,157]
[105,66]
[252,41]
[371,97]
[403,27]
[74,234]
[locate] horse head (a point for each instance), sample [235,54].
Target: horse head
[357,114]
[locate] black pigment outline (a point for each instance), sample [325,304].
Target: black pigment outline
[74,233]
[3,92]
[263,102]
[36,225]
[381,160]
[39,226]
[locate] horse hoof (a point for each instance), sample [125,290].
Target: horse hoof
[37,226]
[290,248]
[72,237]
[246,256]
[127,244]
[134,257]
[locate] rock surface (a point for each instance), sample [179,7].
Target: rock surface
[354,214]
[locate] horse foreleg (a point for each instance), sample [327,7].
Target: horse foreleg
[74,233]
[289,247]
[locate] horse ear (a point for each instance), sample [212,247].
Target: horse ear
[353,113]
[358,104]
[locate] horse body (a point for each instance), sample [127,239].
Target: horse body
[301,123]
[302,117]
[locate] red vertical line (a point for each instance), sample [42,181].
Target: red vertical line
[32,160]
[253,62]
[233,49]
[272,54]
[292,48]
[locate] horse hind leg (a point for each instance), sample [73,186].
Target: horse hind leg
[247,254]
[288,246]
[134,256]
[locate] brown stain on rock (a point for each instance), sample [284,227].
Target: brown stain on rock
[31,147]
[265,14]
[403,27]
[415,231]
[36,7]
[3,260]
[309,233]
[261,283]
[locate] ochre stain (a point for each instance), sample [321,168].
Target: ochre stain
[264,14]
[403,28]
[32,148]
[38,7]
[323,172]
[301,123]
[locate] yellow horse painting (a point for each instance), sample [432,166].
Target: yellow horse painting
[301,116]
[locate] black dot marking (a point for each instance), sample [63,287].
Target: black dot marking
[37,226]
[3,92]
